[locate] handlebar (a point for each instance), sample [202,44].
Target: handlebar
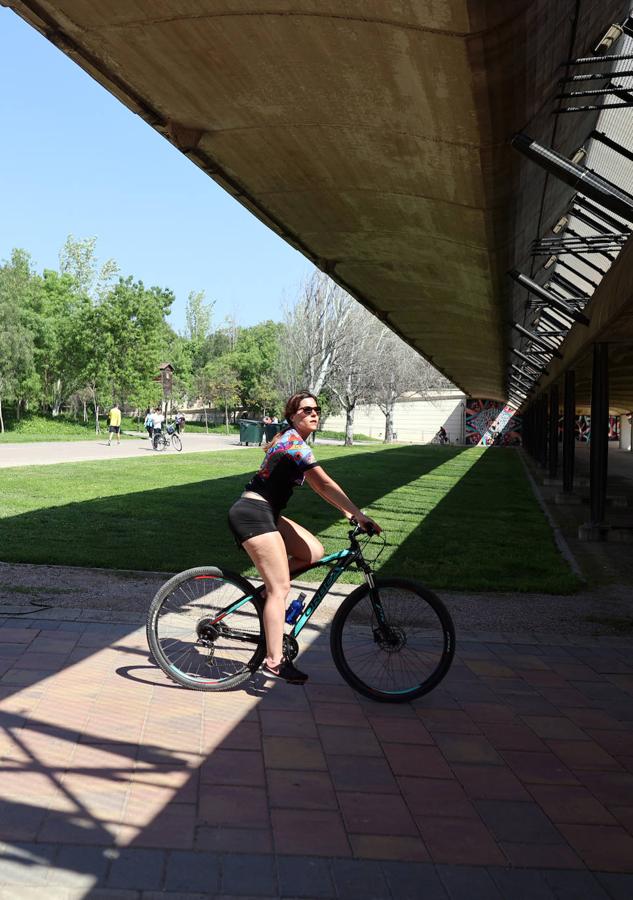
[369,530]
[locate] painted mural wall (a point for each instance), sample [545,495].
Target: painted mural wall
[490,422]
[582,428]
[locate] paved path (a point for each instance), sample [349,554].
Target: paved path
[513,779]
[50,452]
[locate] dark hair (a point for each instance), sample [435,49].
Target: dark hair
[292,405]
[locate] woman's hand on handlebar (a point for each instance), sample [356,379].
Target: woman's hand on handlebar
[366,524]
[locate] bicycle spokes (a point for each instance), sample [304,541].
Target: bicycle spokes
[207,630]
[391,641]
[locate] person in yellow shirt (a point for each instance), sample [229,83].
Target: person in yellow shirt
[114,417]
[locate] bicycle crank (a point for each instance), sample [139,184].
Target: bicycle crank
[290,647]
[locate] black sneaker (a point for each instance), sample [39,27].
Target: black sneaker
[285,671]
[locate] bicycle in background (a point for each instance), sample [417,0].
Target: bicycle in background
[163,439]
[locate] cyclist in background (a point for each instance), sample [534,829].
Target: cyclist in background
[148,424]
[157,420]
[277,545]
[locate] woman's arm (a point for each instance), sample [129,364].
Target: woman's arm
[327,488]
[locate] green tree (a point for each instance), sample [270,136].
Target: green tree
[120,342]
[78,259]
[178,350]
[255,358]
[52,317]
[18,378]
[219,384]
[131,329]
[198,316]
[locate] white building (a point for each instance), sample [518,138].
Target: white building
[416,419]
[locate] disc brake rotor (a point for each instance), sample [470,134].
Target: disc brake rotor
[391,640]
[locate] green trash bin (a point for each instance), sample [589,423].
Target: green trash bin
[251,432]
[271,430]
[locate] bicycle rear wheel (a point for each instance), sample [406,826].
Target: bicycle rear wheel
[176,442]
[199,633]
[394,642]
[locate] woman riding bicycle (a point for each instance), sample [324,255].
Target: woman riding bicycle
[277,545]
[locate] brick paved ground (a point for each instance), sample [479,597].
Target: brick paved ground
[513,779]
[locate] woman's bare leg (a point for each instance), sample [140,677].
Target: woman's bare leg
[268,553]
[301,545]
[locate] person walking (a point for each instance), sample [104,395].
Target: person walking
[148,424]
[114,426]
[277,545]
[157,421]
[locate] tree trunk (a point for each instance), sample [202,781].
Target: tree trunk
[206,418]
[1,419]
[349,426]
[85,412]
[389,424]
[18,404]
[97,427]
[57,404]
[226,417]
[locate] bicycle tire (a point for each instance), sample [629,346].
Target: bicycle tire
[357,642]
[176,645]
[176,442]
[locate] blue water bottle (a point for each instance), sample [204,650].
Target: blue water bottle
[295,609]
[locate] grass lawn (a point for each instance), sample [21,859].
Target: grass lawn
[456,518]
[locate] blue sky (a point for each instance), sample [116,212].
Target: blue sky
[73,160]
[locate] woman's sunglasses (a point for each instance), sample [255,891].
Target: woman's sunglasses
[308,410]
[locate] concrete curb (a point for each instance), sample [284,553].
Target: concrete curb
[561,543]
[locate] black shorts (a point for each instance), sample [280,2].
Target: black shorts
[115,429]
[249,518]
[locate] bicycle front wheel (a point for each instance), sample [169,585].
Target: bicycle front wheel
[205,629]
[393,642]
[176,442]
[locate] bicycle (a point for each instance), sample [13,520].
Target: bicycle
[391,639]
[162,441]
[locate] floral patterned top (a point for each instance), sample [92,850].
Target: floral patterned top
[283,469]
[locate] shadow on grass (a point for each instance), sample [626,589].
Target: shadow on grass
[175,527]
[456,522]
[509,546]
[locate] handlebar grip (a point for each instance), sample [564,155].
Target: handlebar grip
[369,529]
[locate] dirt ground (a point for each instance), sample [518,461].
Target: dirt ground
[40,591]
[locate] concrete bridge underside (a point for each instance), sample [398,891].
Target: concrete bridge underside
[372,135]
